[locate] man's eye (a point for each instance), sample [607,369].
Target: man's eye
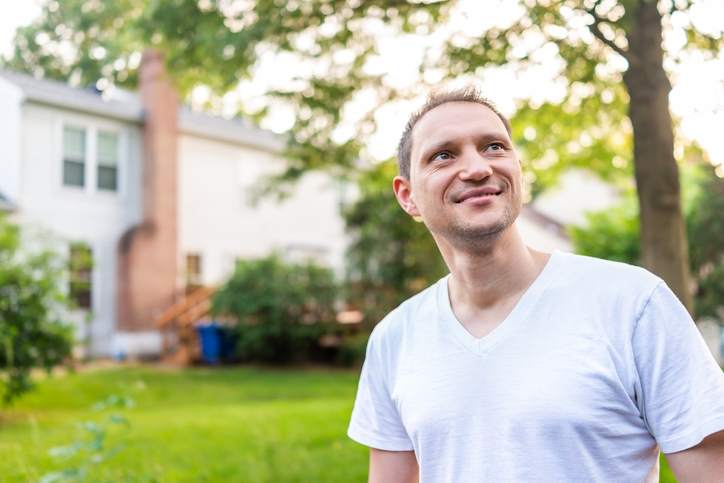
[495,147]
[441,156]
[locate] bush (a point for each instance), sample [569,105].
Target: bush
[612,234]
[705,232]
[351,351]
[31,332]
[282,309]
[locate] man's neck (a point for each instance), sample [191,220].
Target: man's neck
[482,280]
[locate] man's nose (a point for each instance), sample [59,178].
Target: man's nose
[474,167]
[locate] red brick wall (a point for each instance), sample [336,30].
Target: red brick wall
[147,262]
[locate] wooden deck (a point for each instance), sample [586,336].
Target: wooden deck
[177,324]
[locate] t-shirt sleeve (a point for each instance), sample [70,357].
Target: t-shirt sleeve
[375,419]
[680,385]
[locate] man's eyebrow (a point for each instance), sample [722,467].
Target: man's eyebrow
[448,143]
[440,145]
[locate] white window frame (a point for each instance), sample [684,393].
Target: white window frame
[118,135]
[85,156]
[92,127]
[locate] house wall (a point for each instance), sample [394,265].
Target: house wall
[73,214]
[535,235]
[218,220]
[589,192]
[10,122]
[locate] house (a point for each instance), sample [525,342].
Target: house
[157,198]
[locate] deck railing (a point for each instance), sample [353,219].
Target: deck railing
[177,324]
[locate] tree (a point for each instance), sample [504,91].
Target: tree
[611,51]
[32,333]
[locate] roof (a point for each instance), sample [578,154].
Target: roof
[230,130]
[59,94]
[126,106]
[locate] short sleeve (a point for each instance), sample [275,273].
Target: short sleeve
[375,419]
[680,386]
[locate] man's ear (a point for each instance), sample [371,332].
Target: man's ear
[403,192]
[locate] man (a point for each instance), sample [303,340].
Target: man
[522,365]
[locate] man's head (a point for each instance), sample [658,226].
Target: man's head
[459,171]
[466,94]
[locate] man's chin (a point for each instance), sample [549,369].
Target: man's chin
[477,233]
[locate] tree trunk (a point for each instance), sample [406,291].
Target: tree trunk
[663,238]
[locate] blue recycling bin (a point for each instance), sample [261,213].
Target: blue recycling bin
[210,335]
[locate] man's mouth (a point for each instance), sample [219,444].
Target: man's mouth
[484,192]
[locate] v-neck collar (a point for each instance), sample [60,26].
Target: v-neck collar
[481,345]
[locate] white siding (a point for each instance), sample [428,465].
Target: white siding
[577,193]
[536,235]
[218,220]
[10,127]
[73,214]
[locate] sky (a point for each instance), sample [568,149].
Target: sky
[15,14]
[697,98]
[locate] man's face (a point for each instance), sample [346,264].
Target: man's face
[465,176]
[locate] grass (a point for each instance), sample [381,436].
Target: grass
[235,424]
[238,424]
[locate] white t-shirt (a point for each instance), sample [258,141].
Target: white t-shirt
[596,368]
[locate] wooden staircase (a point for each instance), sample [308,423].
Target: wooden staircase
[180,342]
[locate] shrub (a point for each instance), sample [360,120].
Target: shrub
[282,309]
[31,332]
[612,234]
[352,349]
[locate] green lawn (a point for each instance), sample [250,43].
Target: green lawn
[240,424]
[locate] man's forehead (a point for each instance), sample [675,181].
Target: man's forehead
[453,118]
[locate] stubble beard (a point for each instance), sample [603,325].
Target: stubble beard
[479,238]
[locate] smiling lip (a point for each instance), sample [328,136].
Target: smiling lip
[479,193]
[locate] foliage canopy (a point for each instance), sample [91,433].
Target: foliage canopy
[610,113]
[339,44]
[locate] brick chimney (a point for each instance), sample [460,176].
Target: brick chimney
[147,253]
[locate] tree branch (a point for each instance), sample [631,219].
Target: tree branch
[596,31]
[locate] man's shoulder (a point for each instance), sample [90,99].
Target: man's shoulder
[416,309]
[585,271]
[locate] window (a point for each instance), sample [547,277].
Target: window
[73,156]
[95,151]
[80,270]
[193,271]
[107,158]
